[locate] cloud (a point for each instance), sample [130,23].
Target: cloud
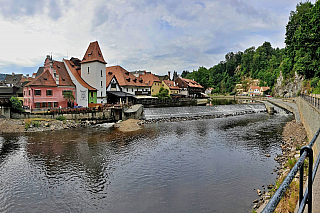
[152,35]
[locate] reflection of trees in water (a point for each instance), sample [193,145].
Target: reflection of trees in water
[9,144]
[88,154]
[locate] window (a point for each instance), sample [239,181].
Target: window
[37,104]
[49,104]
[37,92]
[101,94]
[132,90]
[55,104]
[49,92]
[152,90]
[24,93]
[101,73]
[29,92]
[44,104]
[91,94]
[88,70]
[101,83]
[113,85]
[127,89]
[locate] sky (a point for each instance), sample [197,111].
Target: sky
[153,35]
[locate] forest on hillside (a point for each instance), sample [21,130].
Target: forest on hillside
[301,55]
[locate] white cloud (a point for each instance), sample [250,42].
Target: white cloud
[152,35]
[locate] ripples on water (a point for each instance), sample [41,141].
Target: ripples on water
[208,165]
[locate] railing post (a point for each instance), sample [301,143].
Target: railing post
[309,151]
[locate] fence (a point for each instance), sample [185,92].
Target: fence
[305,152]
[314,101]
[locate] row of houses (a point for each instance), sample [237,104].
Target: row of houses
[92,83]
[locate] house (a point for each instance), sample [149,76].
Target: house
[85,94]
[152,81]
[47,89]
[263,90]
[139,72]
[13,80]
[93,67]
[171,86]
[128,82]
[189,87]
[209,90]
[254,90]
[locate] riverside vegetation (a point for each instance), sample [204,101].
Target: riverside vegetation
[301,56]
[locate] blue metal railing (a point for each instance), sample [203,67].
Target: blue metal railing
[305,152]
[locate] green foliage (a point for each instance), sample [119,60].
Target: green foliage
[163,93]
[67,95]
[15,104]
[27,126]
[61,118]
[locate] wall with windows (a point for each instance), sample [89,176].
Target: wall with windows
[132,89]
[45,97]
[155,88]
[94,73]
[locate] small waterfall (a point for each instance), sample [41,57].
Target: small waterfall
[202,111]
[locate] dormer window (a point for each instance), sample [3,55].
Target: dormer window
[45,79]
[128,79]
[109,73]
[99,54]
[90,54]
[127,73]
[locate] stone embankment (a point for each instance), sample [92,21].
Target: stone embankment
[27,125]
[293,138]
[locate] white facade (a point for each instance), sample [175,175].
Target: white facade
[81,92]
[132,89]
[113,88]
[94,73]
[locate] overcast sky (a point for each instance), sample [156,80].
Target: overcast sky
[156,36]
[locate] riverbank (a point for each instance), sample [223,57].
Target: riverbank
[294,137]
[39,125]
[129,125]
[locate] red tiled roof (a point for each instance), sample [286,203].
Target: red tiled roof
[93,53]
[264,88]
[170,84]
[124,77]
[64,78]
[149,78]
[44,79]
[191,83]
[255,87]
[76,75]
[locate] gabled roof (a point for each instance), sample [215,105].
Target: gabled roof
[124,77]
[109,78]
[13,79]
[64,78]
[149,78]
[40,70]
[93,53]
[44,79]
[73,68]
[170,84]
[255,87]
[191,83]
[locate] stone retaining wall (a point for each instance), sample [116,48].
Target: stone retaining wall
[310,117]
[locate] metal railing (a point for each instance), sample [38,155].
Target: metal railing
[305,152]
[314,101]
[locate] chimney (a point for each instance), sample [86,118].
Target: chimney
[13,73]
[27,75]
[145,72]
[169,75]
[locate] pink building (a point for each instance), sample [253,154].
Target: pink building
[47,88]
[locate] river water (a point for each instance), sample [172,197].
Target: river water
[209,165]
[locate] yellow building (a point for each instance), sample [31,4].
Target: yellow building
[152,81]
[171,86]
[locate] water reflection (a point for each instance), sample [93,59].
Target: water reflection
[190,166]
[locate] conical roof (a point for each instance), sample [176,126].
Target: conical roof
[93,54]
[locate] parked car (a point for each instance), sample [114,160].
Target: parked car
[269,96]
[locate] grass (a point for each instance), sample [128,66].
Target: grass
[61,118]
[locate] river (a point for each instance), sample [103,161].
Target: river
[208,165]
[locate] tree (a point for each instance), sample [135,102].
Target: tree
[15,104]
[163,93]
[67,95]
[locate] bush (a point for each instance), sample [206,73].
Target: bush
[16,104]
[61,118]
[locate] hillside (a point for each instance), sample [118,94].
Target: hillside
[287,71]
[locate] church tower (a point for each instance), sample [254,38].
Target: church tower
[93,70]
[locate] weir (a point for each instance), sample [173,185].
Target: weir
[202,111]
